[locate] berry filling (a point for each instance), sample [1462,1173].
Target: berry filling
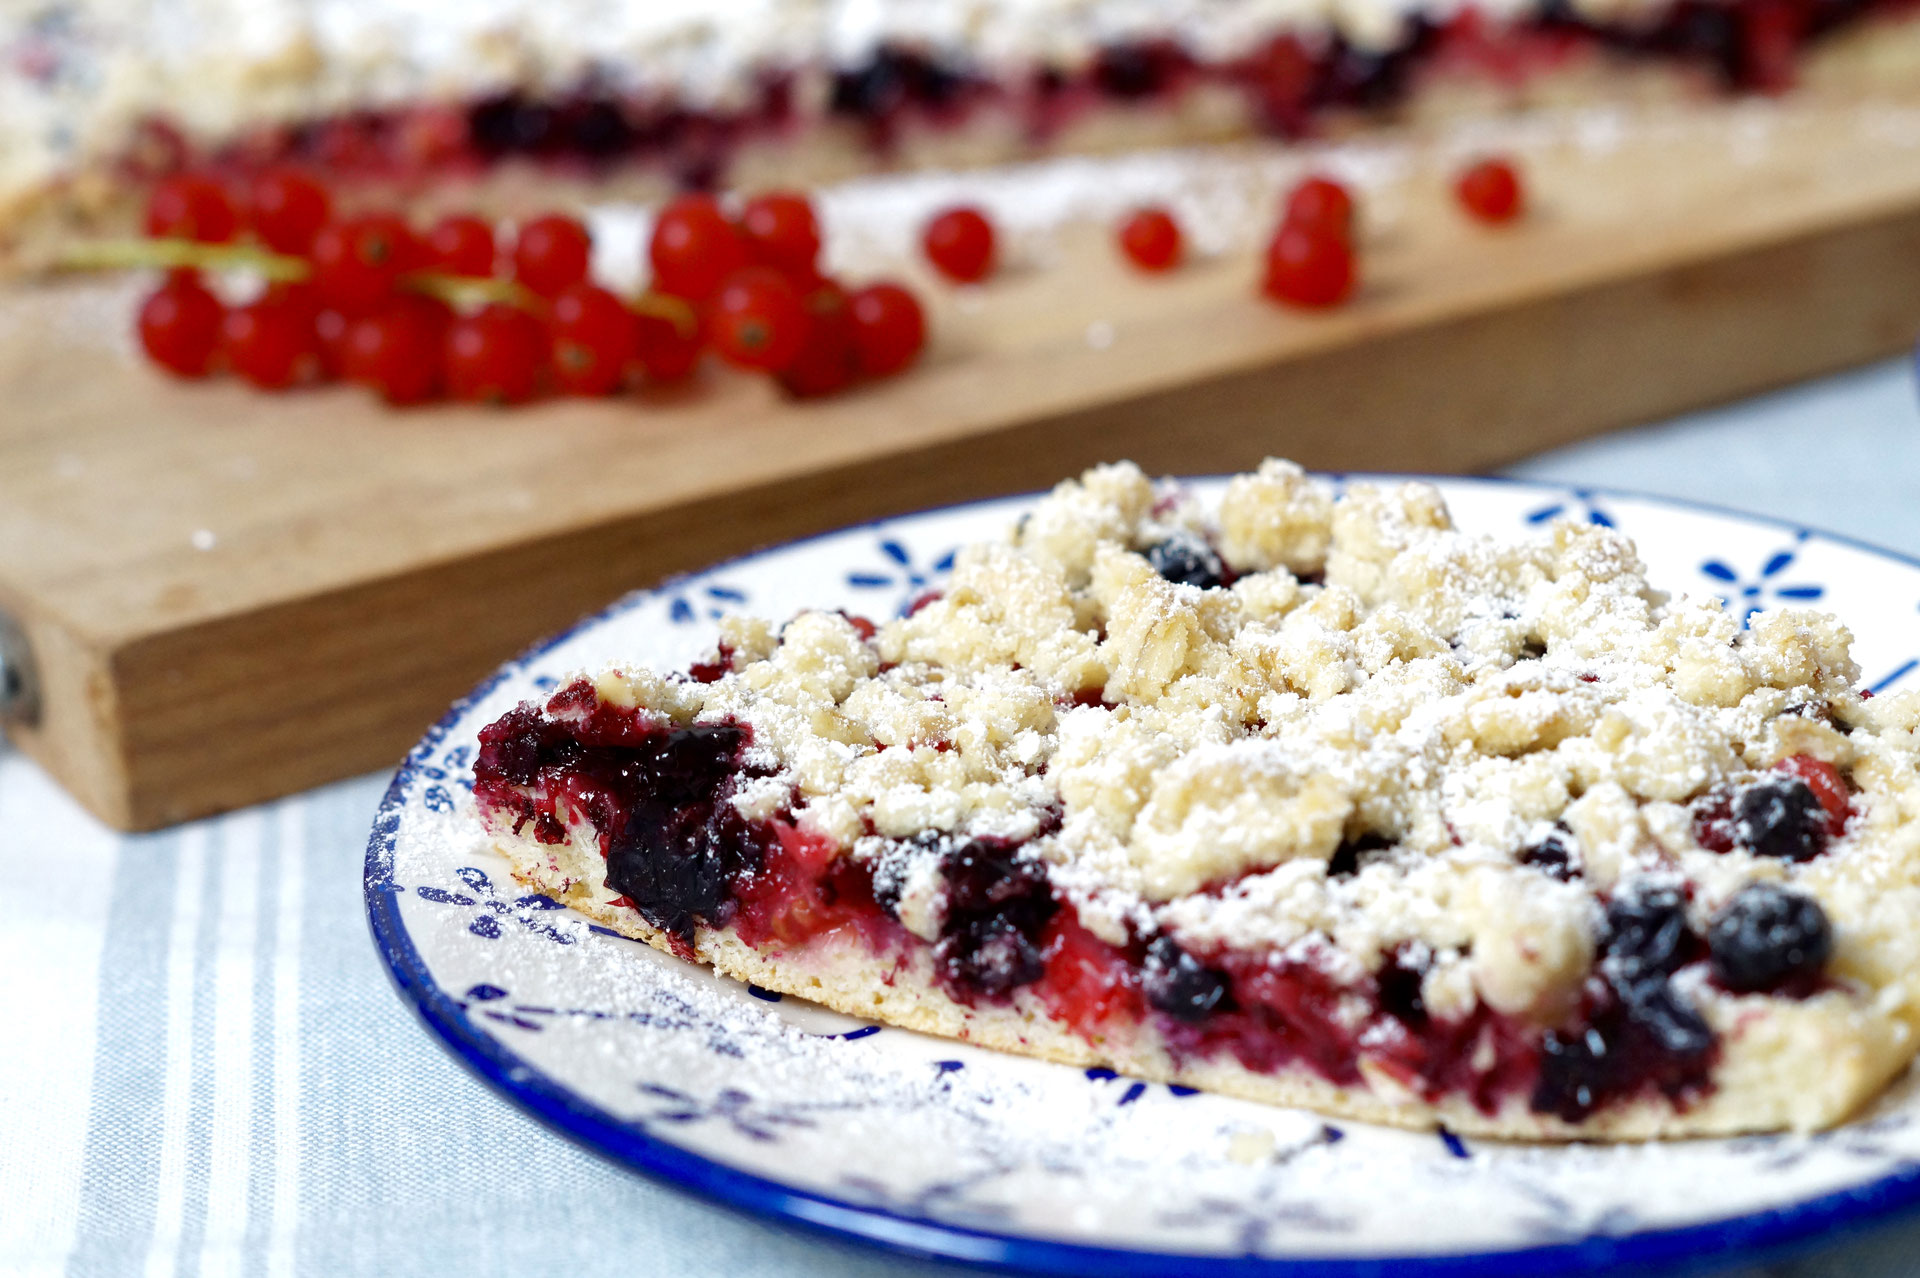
[680,853]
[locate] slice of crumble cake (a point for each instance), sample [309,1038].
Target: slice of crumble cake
[1306,797]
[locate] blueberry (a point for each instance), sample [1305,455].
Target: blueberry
[1134,71]
[1647,936]
[1180,985]
[1779,815]
[1553,855]
[989,956]
[1669,1020]
[596,128]
[508,125]
[1766,936]
[1351,855]
[1399,982]
[892,78]
[682,848]
[1574,1073]
[1712,35]
[998,903]
[1355,77]
[1185,559]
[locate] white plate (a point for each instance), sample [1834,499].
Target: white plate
[789,1111]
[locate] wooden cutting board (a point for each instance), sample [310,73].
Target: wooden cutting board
[230,596]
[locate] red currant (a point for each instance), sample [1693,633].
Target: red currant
[180,326]
[271,342]
[782,232]
[287,209]
[187,206]
[1151,238]
[551,254]
[400,350]
[959,243]
[827,361]
[1321,204]
[358,263]
[889,328]
[495,356]
[694,248]
[1490,191]
[758,320]
[330,327]
[667,337]
[594,338]
[461,245]
[298,294]
[1306,267]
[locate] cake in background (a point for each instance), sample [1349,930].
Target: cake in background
[515,104]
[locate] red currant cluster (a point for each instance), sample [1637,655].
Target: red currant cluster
[1310,257]
[366,299]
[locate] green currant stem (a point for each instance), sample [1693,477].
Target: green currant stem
[173,254]
[167,254]
[674,310]
[467,289]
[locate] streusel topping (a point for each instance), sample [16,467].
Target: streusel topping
[1303,718]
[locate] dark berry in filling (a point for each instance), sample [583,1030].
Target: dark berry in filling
[1399,981]
[998,903]
[1768,936]
[1647,934]
[1553,855]
[1353,77]
[1139,70]
[893,79]
[510,125]
[595,128]
[1351,855]
[682,846]
[1181,985]
[1188,561]
[1780,816]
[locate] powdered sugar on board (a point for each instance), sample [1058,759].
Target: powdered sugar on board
[936,1131]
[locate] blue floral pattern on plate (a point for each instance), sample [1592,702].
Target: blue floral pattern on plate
[784,1108]
[1764,589]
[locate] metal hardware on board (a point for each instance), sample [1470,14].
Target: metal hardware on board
[19,680]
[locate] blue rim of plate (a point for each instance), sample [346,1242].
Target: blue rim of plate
[1720,1243]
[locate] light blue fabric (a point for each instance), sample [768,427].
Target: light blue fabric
[182,1136]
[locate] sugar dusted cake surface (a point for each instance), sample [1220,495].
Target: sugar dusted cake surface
[1325,727]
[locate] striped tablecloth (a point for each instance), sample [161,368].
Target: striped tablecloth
[203,1070]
